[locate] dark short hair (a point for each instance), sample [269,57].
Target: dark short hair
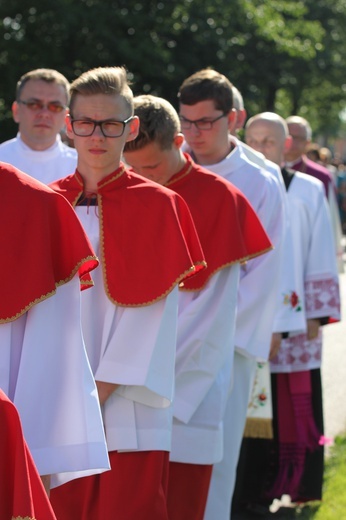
[103,80]
[47,75]
[207,84]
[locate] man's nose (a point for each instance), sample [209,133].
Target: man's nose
[97,132]
[194,129]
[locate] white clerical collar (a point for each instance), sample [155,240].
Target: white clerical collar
[290,164]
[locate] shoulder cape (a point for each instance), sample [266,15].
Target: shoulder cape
[148,242]
[227,225]
[43,242]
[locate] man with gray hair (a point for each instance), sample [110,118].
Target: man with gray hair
[295,158]
[42,97]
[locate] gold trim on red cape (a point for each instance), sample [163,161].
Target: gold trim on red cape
[23,518]
[148,242]
[226,223]
[44,244]
[23,496]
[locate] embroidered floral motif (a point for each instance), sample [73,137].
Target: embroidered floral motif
[293,300]
[259,395]
[262,398]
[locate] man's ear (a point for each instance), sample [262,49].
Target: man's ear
[232,120]
[134,129]
[178,140]
[15,109]
[69,131]
[241,118]
[288,143]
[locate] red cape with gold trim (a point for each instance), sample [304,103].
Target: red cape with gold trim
[21,490]
[148,241]
[43,243]
[227,225]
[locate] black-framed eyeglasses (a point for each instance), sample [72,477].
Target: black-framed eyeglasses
[36,105]
[109,128]
[201,124]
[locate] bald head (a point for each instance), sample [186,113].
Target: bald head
[268,133]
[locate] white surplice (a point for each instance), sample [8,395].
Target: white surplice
[260,276]
[135,348]
[205,351]
[257,301]
[45,371]
[284,320]
[316,267]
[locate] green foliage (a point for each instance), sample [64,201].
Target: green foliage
[283,22]
[278,53]
[334,502]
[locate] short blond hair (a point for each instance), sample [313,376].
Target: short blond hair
[103,80]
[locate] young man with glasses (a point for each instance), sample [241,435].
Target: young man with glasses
[147,244]
[205,97]
[42,96]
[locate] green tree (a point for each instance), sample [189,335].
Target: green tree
[278,53]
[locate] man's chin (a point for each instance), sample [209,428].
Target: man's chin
[42,129]
[292,158]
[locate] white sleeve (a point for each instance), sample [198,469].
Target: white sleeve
[290,281]
[205,339]
[140,354]
[336,227]
[55,391]
[321,276]
[259,282]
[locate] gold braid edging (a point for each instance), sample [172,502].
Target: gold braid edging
[169,183]
[104,269]
[23,518]
[160,297]
[240,261]
[49,294]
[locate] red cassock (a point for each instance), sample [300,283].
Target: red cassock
[22,495]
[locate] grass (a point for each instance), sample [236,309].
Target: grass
[333,506]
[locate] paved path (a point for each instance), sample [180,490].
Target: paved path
[334,371]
